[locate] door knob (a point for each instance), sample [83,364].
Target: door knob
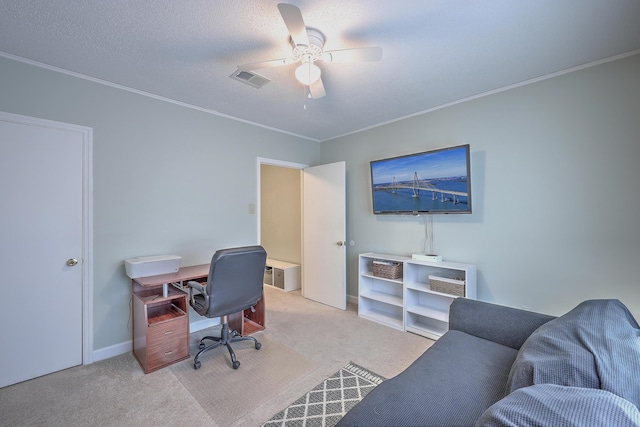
[341,242]
[71,262]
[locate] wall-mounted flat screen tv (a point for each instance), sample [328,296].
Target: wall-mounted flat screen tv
[434,182]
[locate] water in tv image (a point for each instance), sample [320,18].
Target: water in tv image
[434,181]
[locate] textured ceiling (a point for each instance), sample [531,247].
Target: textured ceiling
[435,52]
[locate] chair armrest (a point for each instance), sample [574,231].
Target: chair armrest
[197,288]
[202,287]
[504,325]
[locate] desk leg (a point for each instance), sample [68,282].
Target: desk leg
[248,322]
[258,316]
[254,321]
[236,322]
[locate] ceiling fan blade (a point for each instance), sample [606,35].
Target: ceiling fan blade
[295,24]
[317,89]
[362,54]
[265,64]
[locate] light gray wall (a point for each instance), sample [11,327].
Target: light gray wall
[555,182]
[167,179]
[554,168]
[281,213]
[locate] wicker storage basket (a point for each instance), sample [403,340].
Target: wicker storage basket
[386,269]
[447,284]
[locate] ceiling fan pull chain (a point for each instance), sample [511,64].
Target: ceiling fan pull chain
[306,94]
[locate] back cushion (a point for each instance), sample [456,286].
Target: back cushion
[595,345]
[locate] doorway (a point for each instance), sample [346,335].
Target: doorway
[280,209]
[322,228]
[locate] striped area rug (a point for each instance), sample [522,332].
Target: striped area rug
[327,403]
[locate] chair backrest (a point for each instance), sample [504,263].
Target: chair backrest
[235,280]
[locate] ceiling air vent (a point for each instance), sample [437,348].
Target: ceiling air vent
[253,80]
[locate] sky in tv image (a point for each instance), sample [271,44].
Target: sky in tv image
[441,164]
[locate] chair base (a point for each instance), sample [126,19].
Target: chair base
[226,338]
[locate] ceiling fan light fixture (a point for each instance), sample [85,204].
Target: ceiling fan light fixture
[308,47]
[308,73]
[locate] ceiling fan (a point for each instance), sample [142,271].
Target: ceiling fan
[308,47]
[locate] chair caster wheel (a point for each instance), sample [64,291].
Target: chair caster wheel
[196,365]
[258,346]
[236,365]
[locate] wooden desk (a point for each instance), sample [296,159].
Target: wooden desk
[161,323]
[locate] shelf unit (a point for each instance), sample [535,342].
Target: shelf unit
[379,299]
[282,275]
[408,303]
[427,311]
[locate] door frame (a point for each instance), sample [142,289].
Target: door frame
[87,219]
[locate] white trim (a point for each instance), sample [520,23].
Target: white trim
[283,163]
[87,244]
[112,351]
[352,300]
[418,113]
[147,94]
[87,220]
[127,346]
[492,92]
[201,324]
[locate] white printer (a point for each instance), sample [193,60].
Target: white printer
[152,265]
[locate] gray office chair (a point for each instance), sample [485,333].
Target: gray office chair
[234,285]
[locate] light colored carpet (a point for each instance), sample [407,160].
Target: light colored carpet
[113,392]
[316,338]
[226,393]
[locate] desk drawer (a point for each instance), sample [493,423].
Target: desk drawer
[167,342]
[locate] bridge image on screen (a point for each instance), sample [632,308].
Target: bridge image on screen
[435,182]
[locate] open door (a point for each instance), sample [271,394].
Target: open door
[323,235]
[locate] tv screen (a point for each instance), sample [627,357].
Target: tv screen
[435,182]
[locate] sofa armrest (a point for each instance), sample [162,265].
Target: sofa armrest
[503,325]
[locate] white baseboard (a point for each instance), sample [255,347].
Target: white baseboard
[352,300]
[203,324]
[127,346]
[112,351]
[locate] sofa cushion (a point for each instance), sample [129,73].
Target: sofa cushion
[554,405]
[450,384]
[503,325]
[595,345]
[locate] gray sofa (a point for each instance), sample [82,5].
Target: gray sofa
[500,366]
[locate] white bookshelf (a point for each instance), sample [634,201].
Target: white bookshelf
[408,303]
[379,299]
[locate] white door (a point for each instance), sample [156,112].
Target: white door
[41,191]
[323,248]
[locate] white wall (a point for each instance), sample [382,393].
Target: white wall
[556,189]
[167,179]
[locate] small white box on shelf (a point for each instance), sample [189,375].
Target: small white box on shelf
[427,257]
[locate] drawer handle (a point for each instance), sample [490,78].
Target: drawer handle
[166,353]
[168,332]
